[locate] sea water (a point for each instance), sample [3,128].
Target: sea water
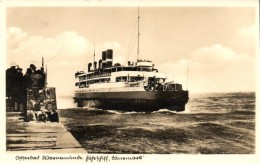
[215,123]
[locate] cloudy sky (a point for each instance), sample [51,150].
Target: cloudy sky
[213,46]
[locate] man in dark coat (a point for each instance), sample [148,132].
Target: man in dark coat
[10,76]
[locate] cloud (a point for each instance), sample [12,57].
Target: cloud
[214,68]
[64,54]
[214,54]
[15,35]
[245,39]
[247,31]
[67,45]
[220,68]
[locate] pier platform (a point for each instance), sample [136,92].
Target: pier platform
[38,137]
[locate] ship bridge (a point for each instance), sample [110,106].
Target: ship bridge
[144,63]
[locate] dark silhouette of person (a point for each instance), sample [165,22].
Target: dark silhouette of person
[54,117]
[19,88]
[33,68]
[10,77]
[41,77]
[28,79]
[34,76]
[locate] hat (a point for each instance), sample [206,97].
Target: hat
[32,66]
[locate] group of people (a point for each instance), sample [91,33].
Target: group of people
[17,83]
[30,92]
[35,78]
[42,116]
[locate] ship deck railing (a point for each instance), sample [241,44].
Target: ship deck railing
[108,72]
[94,77]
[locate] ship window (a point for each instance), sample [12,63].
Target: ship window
[127,69]
[130,69]
[121,78]
[113,69]
[97,81]
[82,85]
[119,69]
[82,78]
[135,78]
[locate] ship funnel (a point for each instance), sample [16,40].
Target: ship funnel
[89,66]
[109,58]
[104,55]
[109,54]
[95,65]
[99,64]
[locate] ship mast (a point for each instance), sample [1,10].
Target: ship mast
[43,63]
[46,82]
[94,52]
[138,35]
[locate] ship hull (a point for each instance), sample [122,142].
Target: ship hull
[134,101]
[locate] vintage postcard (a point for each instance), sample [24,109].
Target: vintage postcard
[94,81]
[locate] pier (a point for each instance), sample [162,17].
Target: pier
[38,137]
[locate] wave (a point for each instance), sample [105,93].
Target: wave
[166,111]
[124,112]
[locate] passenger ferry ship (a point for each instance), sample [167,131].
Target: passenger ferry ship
[139,86]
